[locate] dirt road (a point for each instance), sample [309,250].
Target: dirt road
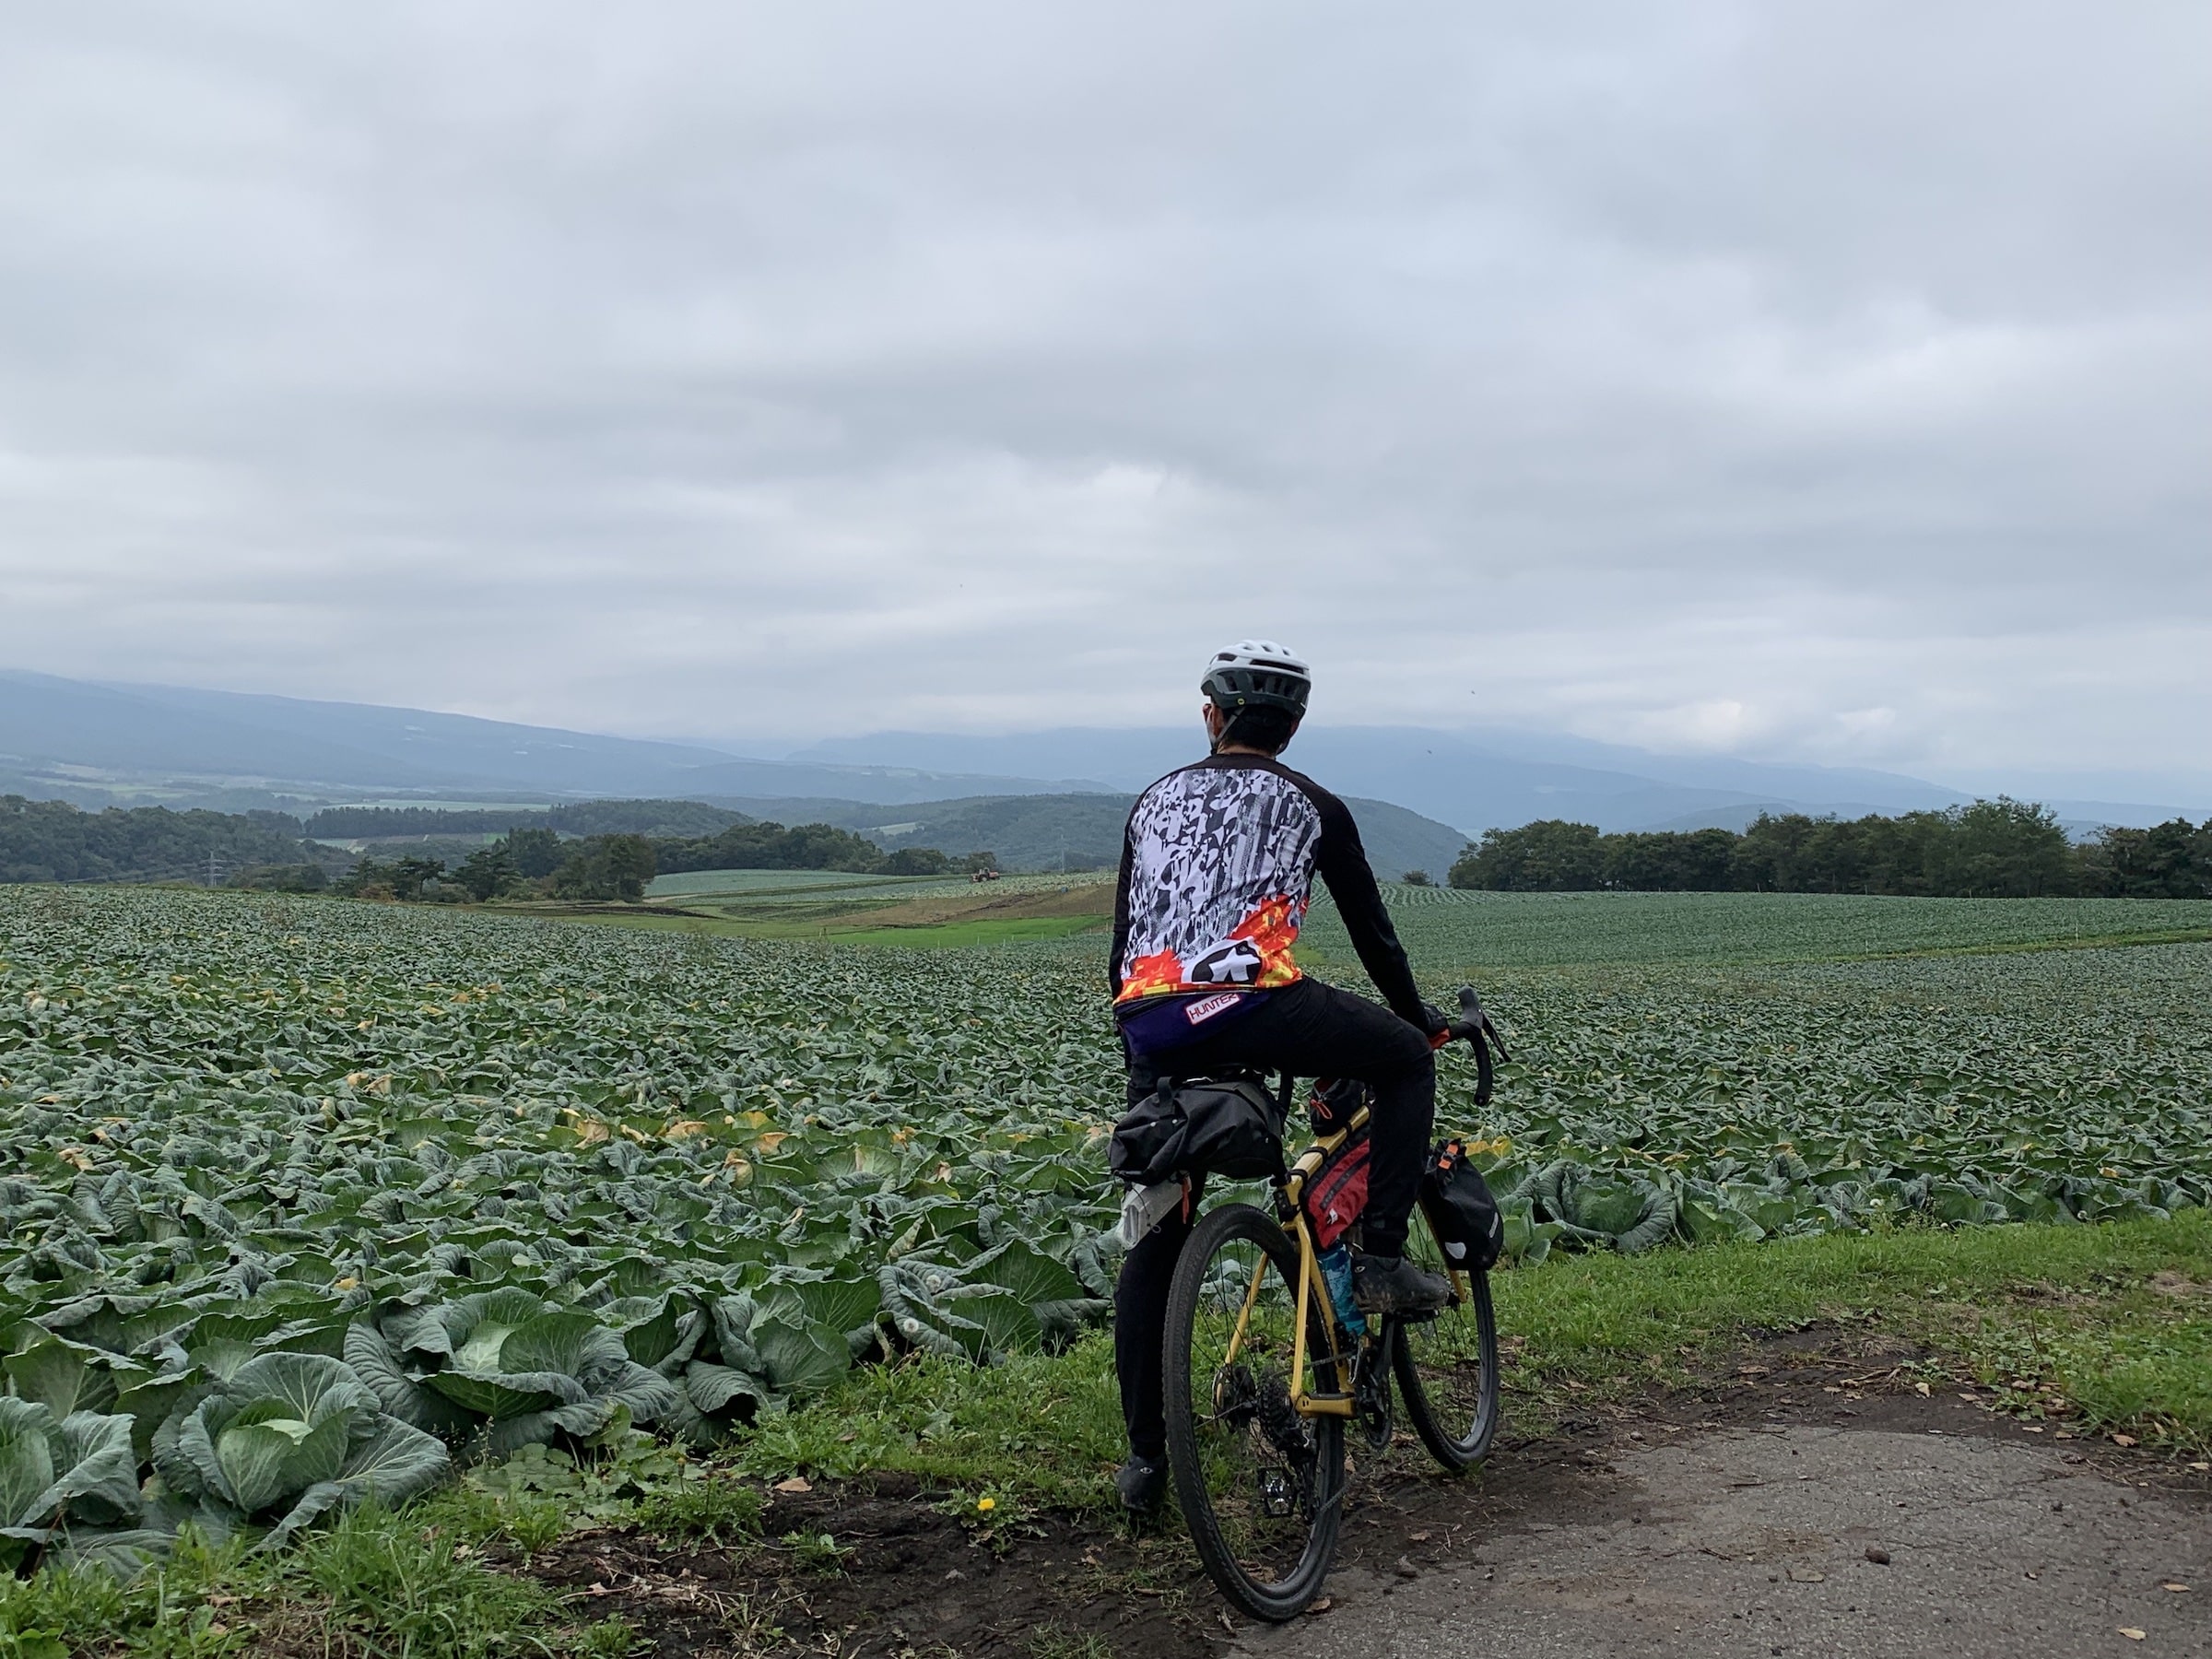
[1795,1539]
[1748,1515]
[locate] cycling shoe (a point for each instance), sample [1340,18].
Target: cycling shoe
[1142,1484]
[1394,1284]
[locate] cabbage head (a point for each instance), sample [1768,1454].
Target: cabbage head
[62,1471]
[528,1368]
[1603,1210]
[288,1435]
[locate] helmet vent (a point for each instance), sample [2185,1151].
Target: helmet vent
[1258,674]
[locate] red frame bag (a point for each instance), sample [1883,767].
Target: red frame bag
[1337,1196]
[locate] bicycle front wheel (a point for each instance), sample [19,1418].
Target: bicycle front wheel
[1447,1364]
[1262,1485]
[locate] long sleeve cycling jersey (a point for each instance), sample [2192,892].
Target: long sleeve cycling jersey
[1218,867]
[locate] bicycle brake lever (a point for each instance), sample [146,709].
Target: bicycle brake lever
[1476,1022]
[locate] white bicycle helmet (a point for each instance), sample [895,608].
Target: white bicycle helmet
[1258,674]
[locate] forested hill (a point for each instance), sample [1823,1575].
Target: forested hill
[50,841]
[1991,849]
[1079,831]
[575,818]
[1996,848]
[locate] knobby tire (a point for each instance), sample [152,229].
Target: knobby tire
[1189,1420]
[1435,1386]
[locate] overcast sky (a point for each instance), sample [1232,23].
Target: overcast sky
[1821,381]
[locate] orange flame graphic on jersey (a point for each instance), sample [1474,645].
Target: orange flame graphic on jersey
[1272,930]
[1153,975]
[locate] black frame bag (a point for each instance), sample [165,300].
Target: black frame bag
[1461,1210]
[1227,1126]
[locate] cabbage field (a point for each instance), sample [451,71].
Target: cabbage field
[306,1199]
[1450,929]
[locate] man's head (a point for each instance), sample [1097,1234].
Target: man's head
[1255,696]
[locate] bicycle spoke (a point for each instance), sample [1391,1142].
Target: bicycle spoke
[1259,1481]
[1256,1450]
[1447,1365]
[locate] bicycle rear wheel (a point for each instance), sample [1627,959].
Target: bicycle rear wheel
[1261,1486]
[1447,1364]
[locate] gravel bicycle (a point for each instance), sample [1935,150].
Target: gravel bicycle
[1263,1379]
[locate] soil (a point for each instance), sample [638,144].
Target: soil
[908,1579]
[1809,1420]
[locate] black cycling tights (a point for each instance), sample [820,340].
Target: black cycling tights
[1313,1030]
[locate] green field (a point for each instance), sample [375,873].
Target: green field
[753,884]
[914,913]
[804,889]
[464,1181]
[1450,931]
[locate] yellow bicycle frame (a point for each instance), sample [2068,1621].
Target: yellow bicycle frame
[1333,1402]
[1339,1401]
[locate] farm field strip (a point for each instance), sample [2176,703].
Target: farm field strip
[1449,930]
[2054,1086]
[694,884]
[779,887]
[928,913]
[523,1180]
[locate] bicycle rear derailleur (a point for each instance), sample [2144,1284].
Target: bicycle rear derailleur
[1370,1390]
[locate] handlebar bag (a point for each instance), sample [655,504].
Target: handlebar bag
[1227,1126]
[1461,1211]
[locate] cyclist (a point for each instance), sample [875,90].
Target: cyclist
[1217,863]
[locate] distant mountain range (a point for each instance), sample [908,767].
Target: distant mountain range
[92,744]
[1477,780]
[100,744]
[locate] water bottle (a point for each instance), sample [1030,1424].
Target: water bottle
[1336,1273]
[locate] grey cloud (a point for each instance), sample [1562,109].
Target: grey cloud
[1824,380]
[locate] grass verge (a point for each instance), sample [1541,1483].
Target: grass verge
[2108,1326]
[2113,1323]
[374,1582]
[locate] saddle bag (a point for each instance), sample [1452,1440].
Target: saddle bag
[1227,1126]
[1461,1211]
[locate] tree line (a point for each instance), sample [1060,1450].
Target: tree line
[51,841]
[1993,849]
[535,863]
[653,818]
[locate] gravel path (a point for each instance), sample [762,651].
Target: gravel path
[1803,1539]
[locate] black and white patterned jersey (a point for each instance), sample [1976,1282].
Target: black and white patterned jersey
[1218,867]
